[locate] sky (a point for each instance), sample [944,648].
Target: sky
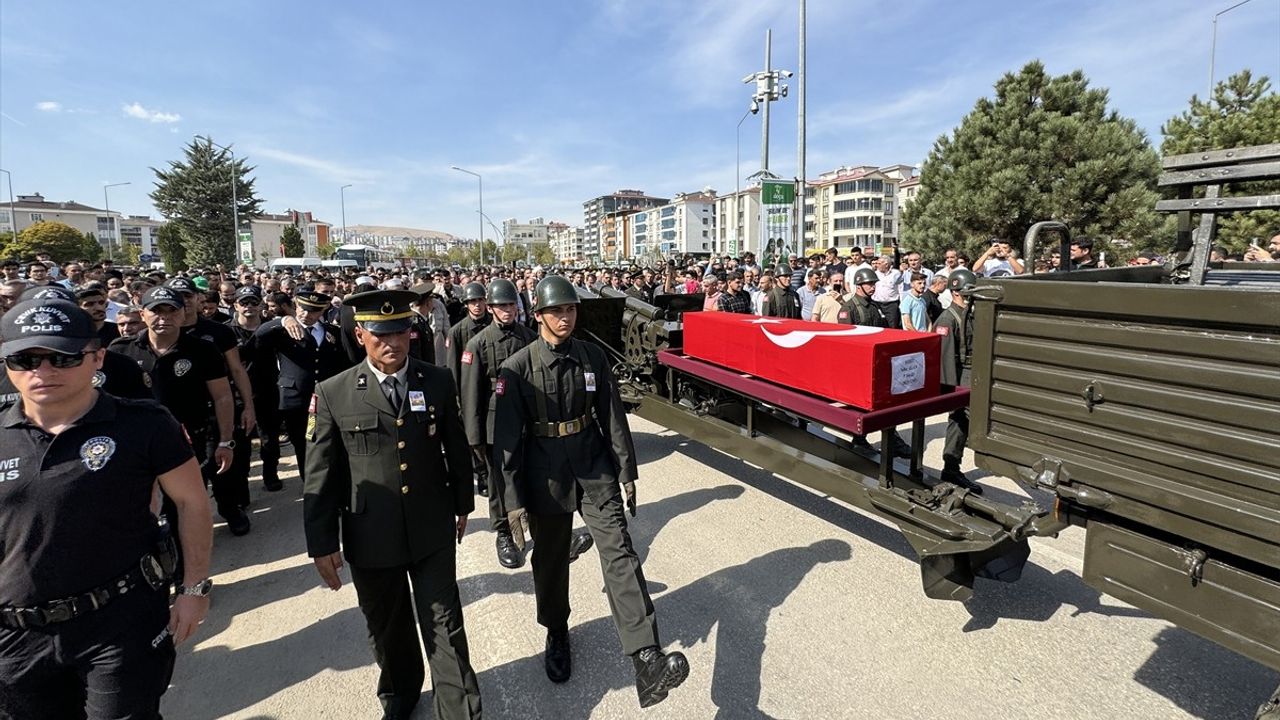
[553,103]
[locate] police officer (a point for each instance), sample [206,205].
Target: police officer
[86,629]
[561,442]
[300,363]
[956,329]
[389,465]
[860,309]
[246,307]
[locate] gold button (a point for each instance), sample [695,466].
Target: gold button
[404,466]
[404,489]
[400,444]
[399,422]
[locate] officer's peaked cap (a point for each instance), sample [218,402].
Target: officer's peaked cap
[383,311]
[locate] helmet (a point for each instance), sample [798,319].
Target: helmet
[961,279]
[501,292]
[473,291]
[554,290]
[865,275]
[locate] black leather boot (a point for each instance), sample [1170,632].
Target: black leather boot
[558,660]
[658,673]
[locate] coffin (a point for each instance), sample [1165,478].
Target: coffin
[867,367]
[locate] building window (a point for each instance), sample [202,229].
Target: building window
[37,217]
[4,216]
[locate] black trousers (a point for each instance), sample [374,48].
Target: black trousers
[268,432]
[114,662]
[497,513]
[957,432]
[892,311]
[231,488]
[388,606]
[624,582]
[295,426]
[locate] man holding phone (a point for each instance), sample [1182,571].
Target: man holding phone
[998,260]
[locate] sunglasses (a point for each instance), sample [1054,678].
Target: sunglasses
[30,361]
[249,303]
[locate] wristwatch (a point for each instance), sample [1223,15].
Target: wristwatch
[200,589]
[228,444]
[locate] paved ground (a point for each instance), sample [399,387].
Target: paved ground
[788,604]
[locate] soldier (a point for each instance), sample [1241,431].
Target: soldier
[477,318]
[860,309]
[300,363]
[389,466]
[86,629]
[957,350]
[561,443]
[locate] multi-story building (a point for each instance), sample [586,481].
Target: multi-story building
[267,230]
[737,228]
[140,230]
[566,243]
[907,191]
[28,210]
[854,207]
[686,225]
[534,232]
[594,213]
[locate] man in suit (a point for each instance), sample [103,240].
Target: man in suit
[561,443]
[388,483]
[300,363]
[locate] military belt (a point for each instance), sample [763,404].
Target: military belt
[148,573]
[562,429]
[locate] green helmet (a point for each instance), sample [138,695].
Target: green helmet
[502,292]
[961,279]
[865,275]
[472,291]
[554,290]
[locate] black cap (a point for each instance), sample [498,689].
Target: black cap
[52,324]
[248,291]
[312,299]
[182,285]
[383,311]
[48,292]
[162,295]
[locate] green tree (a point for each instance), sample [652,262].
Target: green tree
[60,240]
[196,193]
[543,255]
[90,248]
[129,254]
[1242,111]
[513,251]
[171,247]
[1044,148]
[291,241]
[325,250]
[6,240]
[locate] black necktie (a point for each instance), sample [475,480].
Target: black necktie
[392,386]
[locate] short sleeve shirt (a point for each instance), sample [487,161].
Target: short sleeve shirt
[75,508]
[179,376]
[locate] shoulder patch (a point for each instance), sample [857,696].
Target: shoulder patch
[312,407]
[467,357]
[844,314]
[942,330]
[500,386]
[446,342]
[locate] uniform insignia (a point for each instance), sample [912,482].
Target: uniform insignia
[431,430]
[942,330]
[181,367]
[146,379]
[99,378]
[95,452]
[362,382]
[311,427]
[467,357]
[499,386]
[328,337]
[446,342]
[413,334]
[844,314]
[312,407]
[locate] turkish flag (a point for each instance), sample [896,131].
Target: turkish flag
[867,367]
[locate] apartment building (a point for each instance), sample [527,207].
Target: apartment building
[140,230]
[596,211]
[738,223]
[28,210]
[566,243]
[267,230]
[686,225]
[854,207]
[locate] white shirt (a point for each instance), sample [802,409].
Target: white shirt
[402,375]
[887,287]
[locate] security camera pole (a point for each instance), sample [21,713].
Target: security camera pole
[768,89]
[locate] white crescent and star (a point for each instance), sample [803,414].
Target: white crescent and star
[798,338]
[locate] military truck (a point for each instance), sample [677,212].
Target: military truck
[1147,400]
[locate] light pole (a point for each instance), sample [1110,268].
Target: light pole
[342,191]
[1213,47]
[737,173]
[235,206]
[480,180]
[800,130]
[111,222]
[13,217]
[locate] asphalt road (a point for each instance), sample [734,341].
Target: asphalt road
[787,603]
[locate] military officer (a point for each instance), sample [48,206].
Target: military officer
[956,329]
[388,483]
[300,363]
[86,629]
[561,443]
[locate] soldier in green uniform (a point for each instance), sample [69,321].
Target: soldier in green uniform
[561,443]
[860,309]
[477,318]
[388,480]
[957,348]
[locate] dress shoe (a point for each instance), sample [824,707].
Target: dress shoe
[482,488]
[657,674]
[509,556]
[272,484]
[580,543]
[898,446]
[955,477]
[239,523]
[860,445]
[558,660]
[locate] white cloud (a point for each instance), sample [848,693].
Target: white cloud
[49,106]
[327,169]
[136,110]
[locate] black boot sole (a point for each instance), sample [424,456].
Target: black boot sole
[672,677]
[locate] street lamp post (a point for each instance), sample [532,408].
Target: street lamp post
[1213,47]
[737,174]
[111,222]
[480,180]
[235,206]
[13,216]
[342,191]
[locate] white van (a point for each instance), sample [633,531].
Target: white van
[339,265]
[295,265]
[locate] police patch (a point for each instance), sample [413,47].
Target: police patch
[467,357]
[181,367]
[95,452]
[99,378]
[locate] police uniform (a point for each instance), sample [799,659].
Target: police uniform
[300,364]
[561,443]
[956,330]
[265,399]
[390,482]
[83,563]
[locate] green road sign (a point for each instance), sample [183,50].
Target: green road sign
[774,192]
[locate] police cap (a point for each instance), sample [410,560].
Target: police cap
[473,291]
[48,292]
[961,279]
[383,311]
[502,292]
[554,290]
[248,291]
[182,285]
[865,275]
[312,299]
[51,324]
[161,295]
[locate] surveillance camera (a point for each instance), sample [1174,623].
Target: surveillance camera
[786,73]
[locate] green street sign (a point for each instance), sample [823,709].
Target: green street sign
[246,236]
[774,192]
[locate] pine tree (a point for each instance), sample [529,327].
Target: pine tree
[1045,148]
[195,194]
[170,246]
[1241,112]
[291,241]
